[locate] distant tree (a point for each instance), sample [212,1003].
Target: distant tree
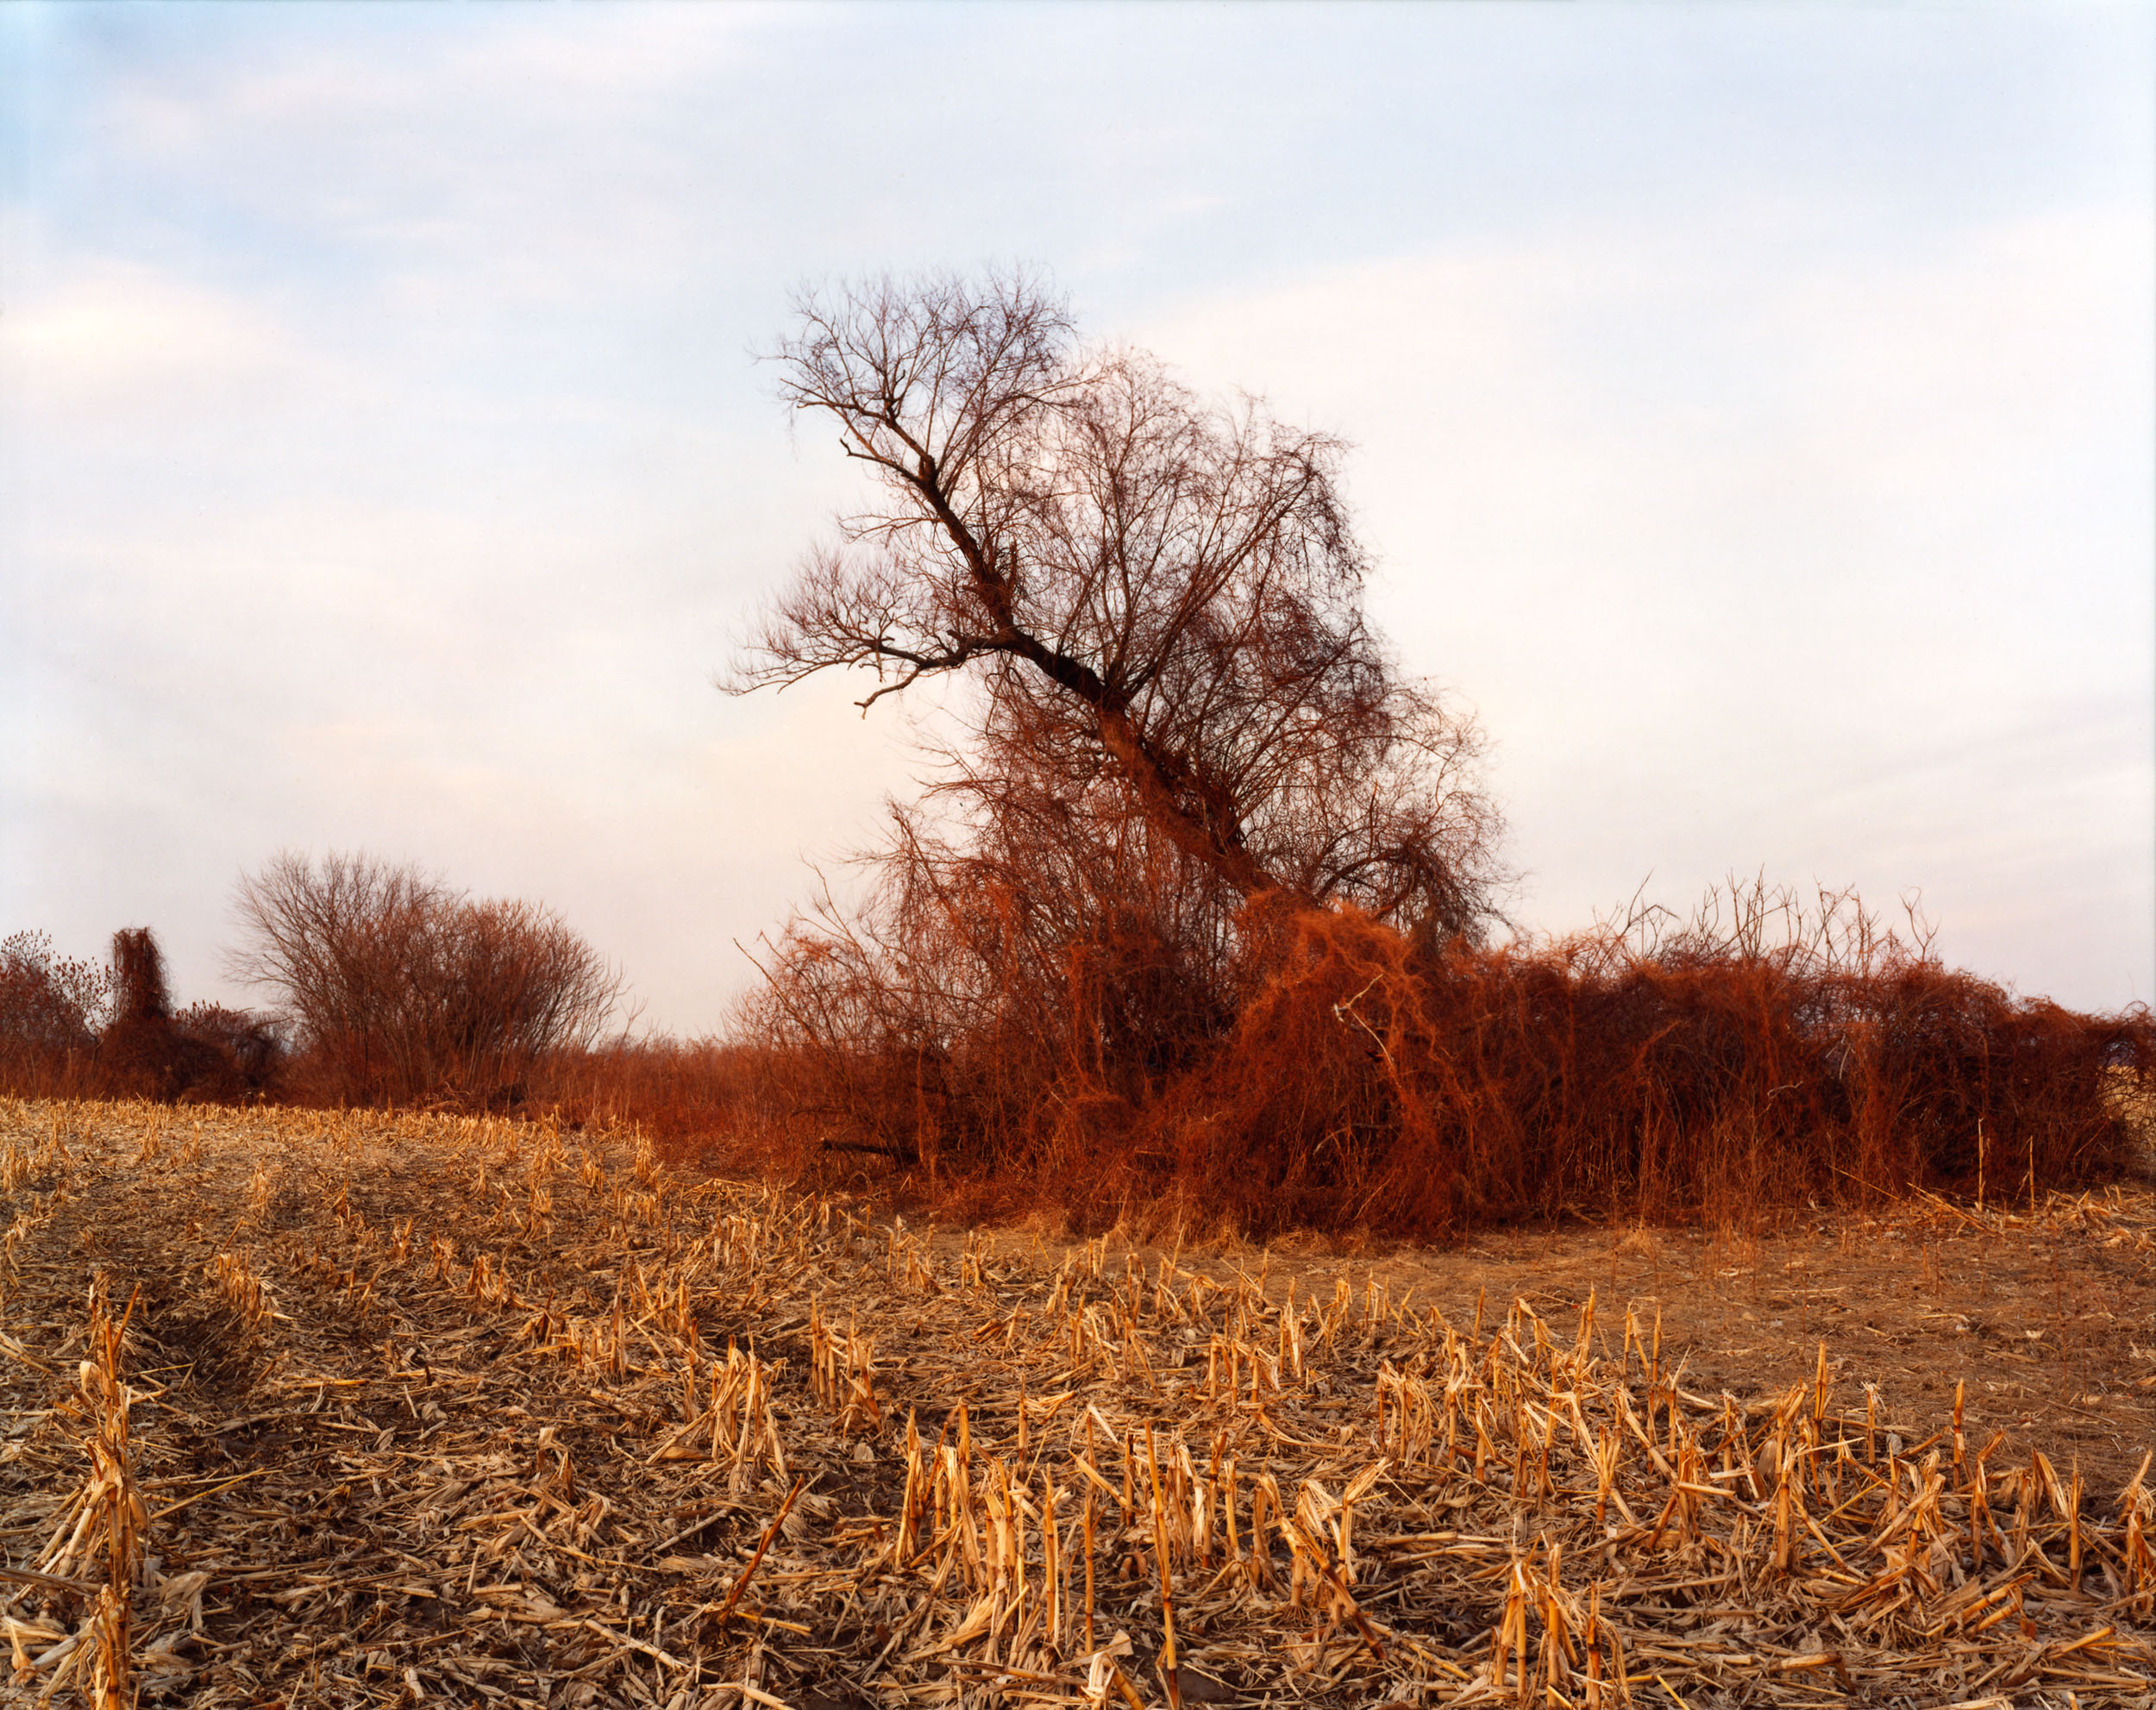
[1157,601]
[397,988]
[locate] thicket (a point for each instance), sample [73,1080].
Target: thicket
[1764,1054]
[397,989]
[75,1029]
[1199,920]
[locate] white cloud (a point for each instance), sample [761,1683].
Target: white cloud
[117,331]
[323,79]
[1758,552]
[386,468]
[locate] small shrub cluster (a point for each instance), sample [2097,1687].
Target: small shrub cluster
[71,1028]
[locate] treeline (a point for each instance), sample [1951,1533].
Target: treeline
[1200,920]
[1316,1068]
[387,987]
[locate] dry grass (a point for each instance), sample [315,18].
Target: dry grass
[418,1410]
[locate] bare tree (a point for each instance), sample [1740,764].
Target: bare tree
[1174,716]
[1158,597]
[400,988]
[1171,708]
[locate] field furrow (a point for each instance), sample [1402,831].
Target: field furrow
[314,1409]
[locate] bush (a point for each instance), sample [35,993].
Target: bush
[52,1008]
[252,1045]
[399,990]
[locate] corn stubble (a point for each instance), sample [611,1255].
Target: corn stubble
[370,1410]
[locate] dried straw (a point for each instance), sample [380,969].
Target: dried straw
[411,1409]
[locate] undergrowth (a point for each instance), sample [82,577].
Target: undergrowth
[1761,1054]
[1333,1075]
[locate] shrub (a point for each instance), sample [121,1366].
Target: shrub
[1761,1054]
[252,1045]
[52,1008]
[399,990]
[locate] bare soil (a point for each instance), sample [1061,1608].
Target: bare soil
[2043,1317]
[419,1411]
[2048,1323]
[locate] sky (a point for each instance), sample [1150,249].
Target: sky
[1755,414]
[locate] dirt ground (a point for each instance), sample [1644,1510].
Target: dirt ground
[410,1411]
[2046,1321]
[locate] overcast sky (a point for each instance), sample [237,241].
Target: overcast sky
[1755,412]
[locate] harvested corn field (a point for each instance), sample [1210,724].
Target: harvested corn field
[339,1410]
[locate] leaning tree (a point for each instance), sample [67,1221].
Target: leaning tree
[1157,601]
[1177,729]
